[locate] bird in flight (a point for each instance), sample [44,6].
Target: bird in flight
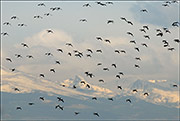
[18,108]
[24,45]
[87,5]
[119,87]
[177,40]
[52,70]
[41,75]
[41,98]
[31,103]
[110,22]
[146,36]
[144,44]
[114,65]
[41,4]
[137,66]
[129,33]
[146,94]
[8,59]
[99,38]
[16,89]
[14,17]
[143,10]
[60,99]
[110,99]
[69,44]
[6,23]
[4,34]
[60,50]
[49,31]
[96,114]
[94,98]
[37,17]
[13,69]
[60,107]
[134,90]
[18,55]
[83,20]
[76,113]
[128,100]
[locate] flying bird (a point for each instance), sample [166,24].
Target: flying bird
[83,20]
[60,107]
[94,98]
[121,73]
[110,22]
[124,19]
[137,66]
[16,89]
[37,17]
[105,69]
[76,113]
[110,3]
[87,5]
[107,40]
[60,50]
[138,58]
[100,51]
[60,99]
[49,31]
[143,10]
[129,33]
[146,94]
[101,80]
[8,59]
[136,48]
[146,36]
[14,17]
[143,30]
[24,45]
[118,76]
[159,34]
[128,100]
[119,87]
[89,50]
[129,22]
[49,54]
[41,4]
[31,103]
[4,34]
[41,98]
[47,14]
[18,108]
[99,38]
[29,56]
[122,51]
[69,44]
[96,114]
[177,40]
[18,55]
[175,85]
[146,27]
[110,99]
[7,23]
[57,62]
[99,64]
[69,54]
[13,69]
[133,41]
[87,85]
[114,65]
[144,44]
[171,49]
[52,70]
[117,51]
[21,25]
[134,90]
[41,75]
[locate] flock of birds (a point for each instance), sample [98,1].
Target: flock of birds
[79,54]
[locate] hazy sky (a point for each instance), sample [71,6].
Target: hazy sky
[157,65]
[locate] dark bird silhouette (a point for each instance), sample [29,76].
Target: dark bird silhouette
[158,30]
[18,55]
[47,14]
[101,80]
[159,34]
[143,10]
[96,114]
[171,49]
[110,22]
[107,40]
[53,8]
[165,5]
[60,99]
[74,87]
[99,38]
[146,36]
[117,51]
[133,41]
[121,73]
[60,50]
[175,85]
[110,99]
[41,98]
[4,34]
[18,108]
[38,16]
[87,5]
[94,98]
[177,40]
[76,113]
[87,85]
[69,44]
[138,58]
[109,3]
[175,24]
[78,55]
[122,51]
[21,25]
[143,30]
[16,89]
[49,31]
[63,85]
[119,87]
[24,45]
[89,50]
[82,82]
[129,33]
[102,4]
[134,90]
[144,44]
[83,20]
[41,4]
[105,69]
[137,66]
[8,59]
[124,19]
[114,65]
[136,48]
[29,56]
[6,23]
[129,22]
[118,76]
[100,51]
[57,62]
[49,54]
[13,69]
[69,54]
[128,100]
[41,75]
[31,103]
[99,64]
[88,55]
[60,107]
[14,17]
[146,94]
[52,70]
[146,27]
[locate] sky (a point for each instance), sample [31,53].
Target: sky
[157,74]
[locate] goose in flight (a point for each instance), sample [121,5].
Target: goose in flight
[105,69]
[144,44]
[146,94]
[89,50]
[18,55]
[37,17]
[60,99]
[165,5]
[88,55]
[129,22]
[76,113]
[4,34]
[87,85]
[83,20]
[60,107]
[41,4]
[41,75]
[177,40]
[117,51]
[110,99]
[128,100]
[57,62]
[49,54]
[87,5]
[143,30]
[146,36]
[49,31]
[29,56]
[136,48]
[41,98]
[101,80]
[82,82]
[99,64]
[47,14]
[121,73]
[133,41]
[146,27]
[8,59]
[175,85]
[31,103]
[21,25]
[171,49]
[119,87]
[7,23]
[60,50]
[69,44]
[96,114]
[16,89]
[129,33]
[110,22]
[137,66]
[18,108]
[138,58]
[124,19]
[143,10]
[24,45]
[102,4]
[94,98]
[100,51]
[122,51]
[74,86]
[69,54]
[99,38]
[13,69]
[14,17]
[159,34]
[52,70]
[118,76]
[114,65]
[134,90]
[107,40]
[175,24]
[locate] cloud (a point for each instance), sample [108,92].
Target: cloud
[152,81]
[78,106]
